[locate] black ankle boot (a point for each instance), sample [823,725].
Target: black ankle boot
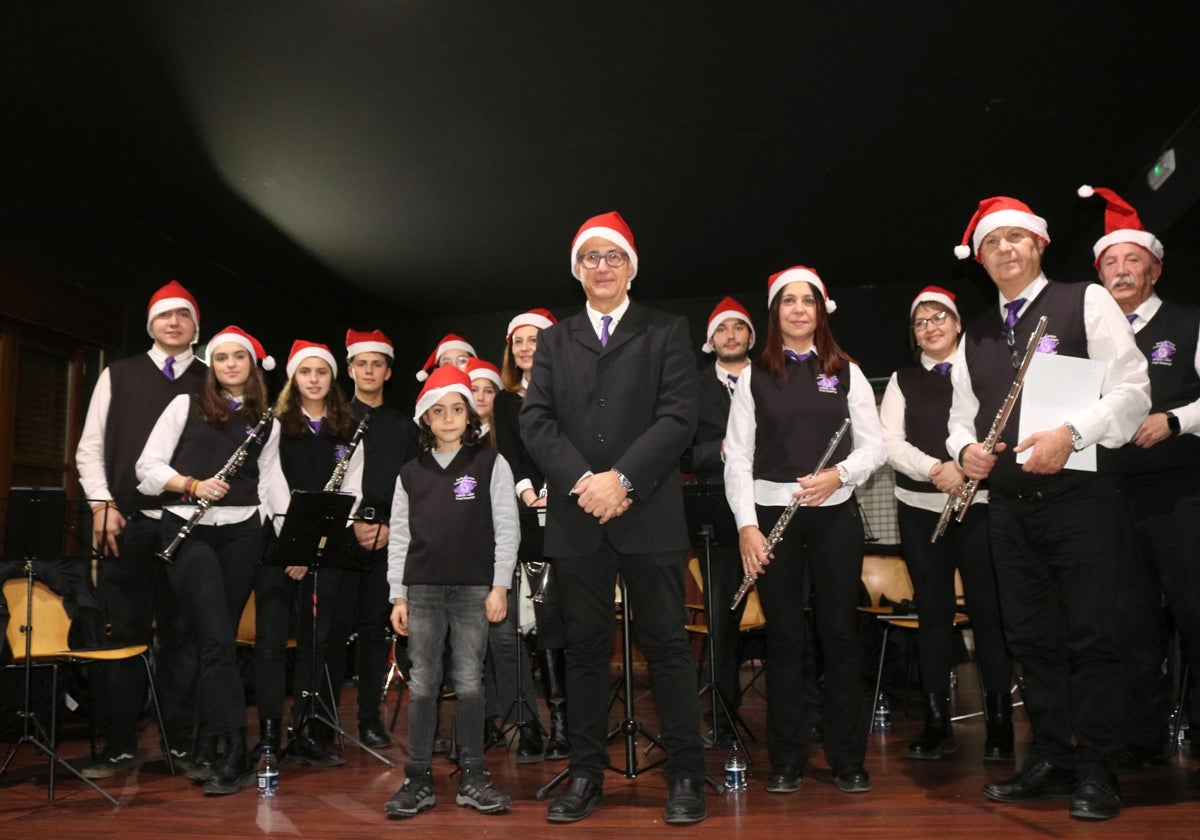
[552,664]
[529,744]
[232,772]
[938,738]
[205,756]
[304,748]
[998,706]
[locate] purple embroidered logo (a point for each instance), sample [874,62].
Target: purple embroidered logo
[339,451]
[1163,353]
[464,488]
[827,384]
[1047,344]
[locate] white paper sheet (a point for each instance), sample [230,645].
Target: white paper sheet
[1058,388]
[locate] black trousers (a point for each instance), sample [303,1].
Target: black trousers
[828,542]
[212,577]
[1165,559]
[1056,564]
[508,656]
[319,594]
[364,610]
[136,597]
[274,620]
[965,546]
[656,594]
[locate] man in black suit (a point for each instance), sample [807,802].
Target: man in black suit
[610,409]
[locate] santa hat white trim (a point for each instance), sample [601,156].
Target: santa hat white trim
[931,294]
[455,381]
[799,273]
[527,319]
[308,351]
[239,336]
[353,350]
[715,319]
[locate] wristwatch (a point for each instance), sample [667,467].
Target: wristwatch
[625,482]
[1076,438]
[1172,423]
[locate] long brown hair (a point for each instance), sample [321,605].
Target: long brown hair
[214,405]
[338,421]
[774,361]
[510,374]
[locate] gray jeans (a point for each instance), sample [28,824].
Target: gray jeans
[432,610]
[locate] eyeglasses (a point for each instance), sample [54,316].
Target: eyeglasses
[932,321]
[591,259]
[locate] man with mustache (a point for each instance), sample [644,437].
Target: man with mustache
[1161,479]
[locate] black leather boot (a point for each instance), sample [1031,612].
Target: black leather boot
[205,756]
[938,738]
[232,772]
[998,707]
[552,664]
[529,744]
[306,749]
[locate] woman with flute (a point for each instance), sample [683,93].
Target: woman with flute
[914,411]
[316,427]
[212,569]
[787,407]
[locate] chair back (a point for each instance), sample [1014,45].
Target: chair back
[886,575]
[246,632]
[49,621]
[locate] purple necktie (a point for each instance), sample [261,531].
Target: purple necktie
[1010,320]
[732,378]
[1131,317]
[793,356]
[942,368]
[315,425]
[169,368]
[605,320]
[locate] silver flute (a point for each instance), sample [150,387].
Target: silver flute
[957,503]
[776,536]
[167,555]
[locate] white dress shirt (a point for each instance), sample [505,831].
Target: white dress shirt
[1189,415]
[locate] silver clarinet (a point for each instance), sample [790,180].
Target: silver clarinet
[957,503]
[339,470]
[776,536]
[167,555]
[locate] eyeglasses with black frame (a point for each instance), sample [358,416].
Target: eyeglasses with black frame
[937,320]
[591,259]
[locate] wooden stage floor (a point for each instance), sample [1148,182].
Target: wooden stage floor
[911,799]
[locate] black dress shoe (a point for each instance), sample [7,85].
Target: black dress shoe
[1037,779]
[577,800]
[1096,799]
[784,780]
[685,802]
[373,735]
[529,745]
[852,779]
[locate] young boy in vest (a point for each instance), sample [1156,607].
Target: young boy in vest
[451,554]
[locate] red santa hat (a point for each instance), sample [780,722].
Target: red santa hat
[608,226]
[450,341]
[302,350]
[1121,224]
[446,379]
[934,294]
[479,369]
[540,318]
[172,296]
[798,272]
[368,342]
[999,211]
[239,336]
[727,308]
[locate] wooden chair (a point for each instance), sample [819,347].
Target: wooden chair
[48,646]
[888,576]
[753,621]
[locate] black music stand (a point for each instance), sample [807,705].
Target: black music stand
[709,517]
[33,533]
[313,535]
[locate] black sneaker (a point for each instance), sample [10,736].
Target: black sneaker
[475,791]
[112,760]
[414,796]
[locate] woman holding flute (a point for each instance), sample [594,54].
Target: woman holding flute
[785,410]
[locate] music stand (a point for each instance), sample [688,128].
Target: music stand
[313,535]
[709,517]
[33,532]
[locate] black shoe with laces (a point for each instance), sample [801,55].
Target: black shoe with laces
[114,759]
[414,796]
[475,791]
[373,734]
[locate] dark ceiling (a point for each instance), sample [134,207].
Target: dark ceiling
[440,156]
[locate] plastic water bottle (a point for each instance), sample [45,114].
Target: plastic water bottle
[735,768]
[268,772]
[883,713]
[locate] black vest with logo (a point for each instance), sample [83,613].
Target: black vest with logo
[796,416]
[308,459]
[140,393]
[203,449]
[927,397]
[1168,342]
[990,362]
[453,541]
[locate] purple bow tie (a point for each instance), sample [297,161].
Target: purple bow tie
[943,368]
